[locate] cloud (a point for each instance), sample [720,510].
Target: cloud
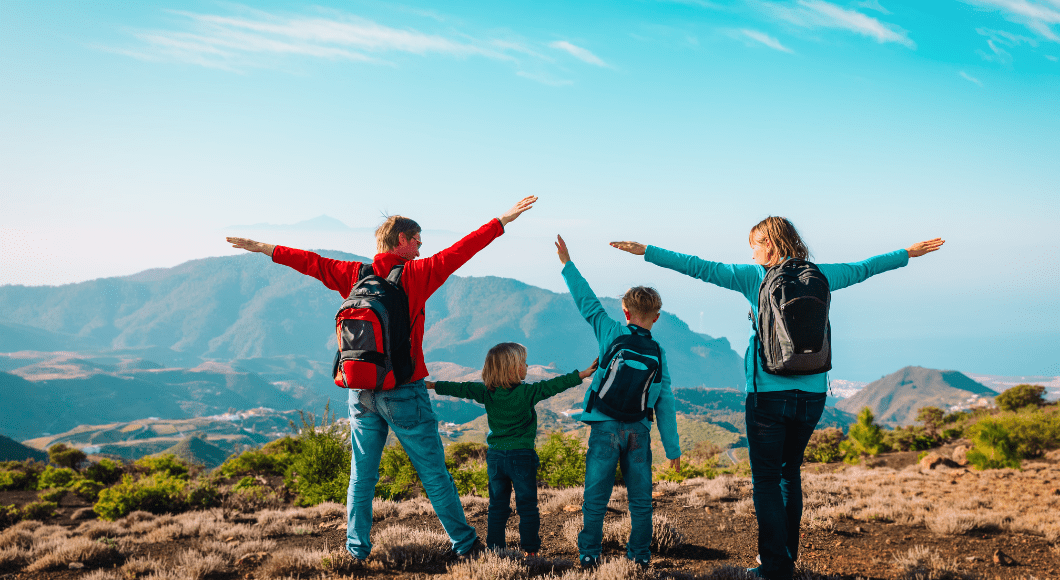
[578,52]
[970,78]
[872,5]
[248,39]
[765,39]
[819,14]
[1037,15]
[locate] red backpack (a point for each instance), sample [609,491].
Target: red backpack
[374,333]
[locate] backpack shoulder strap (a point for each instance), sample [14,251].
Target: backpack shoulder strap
[394,277]
[366,271]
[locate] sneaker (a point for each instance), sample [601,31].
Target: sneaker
[643,564]
[588,562]
[756,572]
[477,548]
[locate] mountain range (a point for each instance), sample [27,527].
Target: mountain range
[896,398]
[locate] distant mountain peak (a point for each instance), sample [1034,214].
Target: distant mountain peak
[896,398]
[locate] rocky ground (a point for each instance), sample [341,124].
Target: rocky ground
[899,519]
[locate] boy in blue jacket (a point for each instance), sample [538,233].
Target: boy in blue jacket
[615,442]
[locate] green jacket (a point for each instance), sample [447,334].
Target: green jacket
[510,412]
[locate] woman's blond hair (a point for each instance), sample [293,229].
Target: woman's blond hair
[781,233]
[386,235]
[502,365]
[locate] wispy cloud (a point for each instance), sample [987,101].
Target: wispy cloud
[872,5]
[251,39]
[765,39]
[970,78]
[821,14]
[1037,15]
[578,52]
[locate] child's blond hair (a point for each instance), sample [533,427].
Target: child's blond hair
[780,232]
[502,365]
[642,300]
[386,235]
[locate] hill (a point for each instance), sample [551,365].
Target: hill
[11,450]
[896,398]
[196,451]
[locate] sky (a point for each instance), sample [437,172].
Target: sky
[137,135]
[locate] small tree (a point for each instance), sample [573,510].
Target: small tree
[994,448]
[562,461]
[824,445]
[932,418]
[65,456]
[1021,396]
[865,437]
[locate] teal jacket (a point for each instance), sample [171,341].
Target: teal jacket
[606,329]
[747,278]
[510,412]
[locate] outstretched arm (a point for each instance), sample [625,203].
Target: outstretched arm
[518,209]
[743,278]
[584,298]
[920,248]
[252,246]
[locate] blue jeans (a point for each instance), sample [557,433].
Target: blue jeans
[513,469]
[614,443]
[407,410]
[778,429]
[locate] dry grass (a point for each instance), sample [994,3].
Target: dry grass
[140,567]
[13,558]
[14,537]
[700,491]
[570,531]
[101,529]
[404,547]
[327,510]
[475,504]
[300,562]
[384,508]
[61,555]
[490,566]
[922,563]
[554,500]
[417,506]
[196,565]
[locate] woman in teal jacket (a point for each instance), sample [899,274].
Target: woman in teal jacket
[788,407]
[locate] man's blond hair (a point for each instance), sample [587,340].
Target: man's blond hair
[386,235]
[502,365]
[642,300]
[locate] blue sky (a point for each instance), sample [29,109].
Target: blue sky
[134,134]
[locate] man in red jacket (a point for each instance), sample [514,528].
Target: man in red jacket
[406,409]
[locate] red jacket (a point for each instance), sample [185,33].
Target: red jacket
[420,279]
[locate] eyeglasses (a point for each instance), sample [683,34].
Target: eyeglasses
[418,241]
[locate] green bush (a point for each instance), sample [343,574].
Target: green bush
[107,472]
[911,438]
[1021,396]
[9,515]
[471,477]
[824,445]
[248,495]
[167,464]
[397,477]
[932,418]
[18,479]
[562,461]
[202,494]
[56,477]
[459,453]
[64,456]
[156,493]
[864,438]
[51,494]
[39,510]
[321,472]
[269,460]
[993,447]
[87,489]
[689,469]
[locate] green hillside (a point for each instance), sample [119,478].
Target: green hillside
[896,398]
[11,450]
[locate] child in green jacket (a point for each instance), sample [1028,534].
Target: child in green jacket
[511,460]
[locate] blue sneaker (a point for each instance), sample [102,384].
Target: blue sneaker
[588,562]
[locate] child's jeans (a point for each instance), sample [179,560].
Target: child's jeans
[513,469]
[614,443]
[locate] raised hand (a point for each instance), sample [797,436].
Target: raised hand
[561,250]
[252,246]
[631,247]
[920,248]
[518,209]
[589,371]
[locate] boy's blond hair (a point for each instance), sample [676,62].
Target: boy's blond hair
[386,235]
[642,300]
[782,234]
[502,365]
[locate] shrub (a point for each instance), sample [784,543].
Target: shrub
[87,489]
[824,445]
[993,448]
[155,493]
[1032,431]
[932,418]
[167,464]
[272,459]
[321,472]
[107,472]
[689,469]
[56,477]
[51,494]
[397,477]
[9,515]
[38,510]
[562,461]
[202,494]
[911,438]
[471,478]
[459,453]
[18,479]
[865,437]
[1021,396]
[64,456]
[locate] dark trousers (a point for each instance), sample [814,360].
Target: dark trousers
[778,429]
[516,470]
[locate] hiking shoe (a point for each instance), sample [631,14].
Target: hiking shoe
[473,552]
[642,564]
[588,562]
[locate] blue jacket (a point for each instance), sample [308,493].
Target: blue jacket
[606,329]
[747,278]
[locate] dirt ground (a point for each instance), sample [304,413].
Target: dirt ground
[721,531]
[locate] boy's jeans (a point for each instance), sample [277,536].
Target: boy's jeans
[778,429]
[407,410]
[614,443]
[513,469]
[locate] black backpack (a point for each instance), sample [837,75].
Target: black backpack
[374,333]
[633,363]
[793,334]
